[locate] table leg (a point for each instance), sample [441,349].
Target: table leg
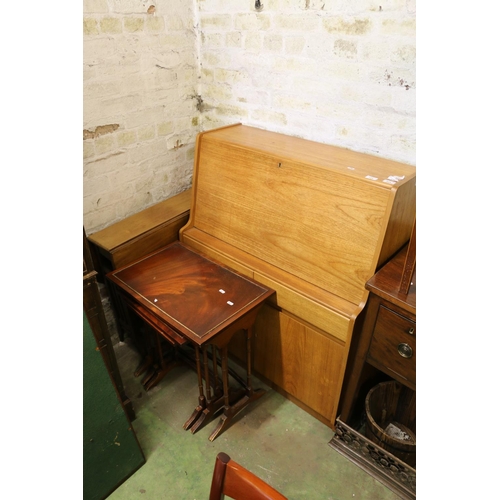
[201,398]
[216,370]
[164,366]
[214,404]
[250,395]
[144,364]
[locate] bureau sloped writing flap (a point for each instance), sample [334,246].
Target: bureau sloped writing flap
[321,221]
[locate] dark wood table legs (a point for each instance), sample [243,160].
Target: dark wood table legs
[249,394]
[230,401]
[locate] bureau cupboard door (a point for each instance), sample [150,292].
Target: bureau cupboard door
[305,363]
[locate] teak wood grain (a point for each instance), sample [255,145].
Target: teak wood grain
[141,233]
[312,221]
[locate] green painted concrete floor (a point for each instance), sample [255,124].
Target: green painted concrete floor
[273,438]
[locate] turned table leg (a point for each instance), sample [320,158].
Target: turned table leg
[201,398]
[250,395]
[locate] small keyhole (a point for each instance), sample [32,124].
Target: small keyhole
[279,165]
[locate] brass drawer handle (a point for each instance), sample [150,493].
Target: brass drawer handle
[405,350]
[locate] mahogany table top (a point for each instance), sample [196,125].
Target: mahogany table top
[193,294]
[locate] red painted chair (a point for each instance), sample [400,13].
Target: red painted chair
[233,480]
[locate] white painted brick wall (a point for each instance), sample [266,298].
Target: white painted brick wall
[333,71]
[338,72]
[140,71]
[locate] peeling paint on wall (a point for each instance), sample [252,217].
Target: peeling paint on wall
[100,130]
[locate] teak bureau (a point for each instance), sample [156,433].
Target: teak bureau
[311,221]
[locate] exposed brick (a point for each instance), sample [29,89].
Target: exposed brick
[95,6]
[165,128]
[345,48]
[296,22]
[274,43]
[173,41]
[100,89]
[111,25]
[252,22]
[104,164]
[105,144]
[146,133]
[347,26]
[294,45]
[233,39]
[98,50]
[155,24]
[399,27]
[253,42]
[405,53]
[264,115]
[90,26]
[96,185]
[231,110]
[144,117]
[215,21]
[291,102]
[213,39]
[133,24]
[231,76]
[126,138]
[217,92]
[174,23]
[88,149]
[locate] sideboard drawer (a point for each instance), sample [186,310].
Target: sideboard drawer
[394,343]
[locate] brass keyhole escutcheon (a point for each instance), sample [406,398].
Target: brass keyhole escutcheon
[405,350]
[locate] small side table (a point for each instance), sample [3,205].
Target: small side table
[187,298]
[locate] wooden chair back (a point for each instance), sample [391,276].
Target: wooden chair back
[232,479]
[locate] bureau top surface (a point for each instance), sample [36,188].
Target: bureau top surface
[193,294]
[134,226]
[371,168]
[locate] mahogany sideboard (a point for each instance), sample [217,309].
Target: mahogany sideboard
[388,338]
[311,221]
[385,350]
